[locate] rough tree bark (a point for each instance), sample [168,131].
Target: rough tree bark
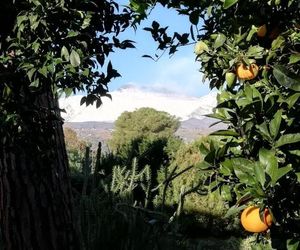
[35,191]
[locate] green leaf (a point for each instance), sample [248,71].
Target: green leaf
[203,165]
[251,32]
[282,172]
[260,173]
[65,53]
[286,78]
[289,4]
[43,71]
[292,99]
[74,58]
[288,139]
[21,19]
[243,175]
[32,19]
[35,25]
[35,46]
[35,84]
[209,10]
[225,133]
[6,91]
[203,149]
[226,169]
[255,51]
[86,72]
[269,161]
[276,44]
[220,40]
[30,73]
[298,177]
[257,191]
[275,124]
[228,3]
[295,152]
[293,244]
[263,130]
[72,33]
[294,58]
[234,210]
[200,47]
[86,21]
[68,91]
[226,192]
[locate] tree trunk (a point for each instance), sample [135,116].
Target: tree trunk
[35,191]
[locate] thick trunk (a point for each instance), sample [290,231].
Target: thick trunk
[35,192]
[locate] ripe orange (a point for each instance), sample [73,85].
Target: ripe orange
[252,222]
[245,72]
[262,31]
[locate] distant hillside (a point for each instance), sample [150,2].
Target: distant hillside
[96,125]
[192,128]
[94,132]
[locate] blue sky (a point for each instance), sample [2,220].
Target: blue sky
[177,74]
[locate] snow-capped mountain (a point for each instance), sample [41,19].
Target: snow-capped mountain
[131,98]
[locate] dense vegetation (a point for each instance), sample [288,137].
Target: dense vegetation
[47,48]
[154,204]
[249,51]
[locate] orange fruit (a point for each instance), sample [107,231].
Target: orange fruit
[262,31]
[245,72]
[252,222]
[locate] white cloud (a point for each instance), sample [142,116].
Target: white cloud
[132,98]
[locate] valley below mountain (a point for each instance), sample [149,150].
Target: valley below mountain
[94,125]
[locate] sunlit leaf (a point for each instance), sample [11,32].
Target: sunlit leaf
[275,124]
[288,139]
[228,3]
[277,43]
[220,40]
[260,173]
[268,159]
[74,58]
[65,53]
[294,58]
[225,133]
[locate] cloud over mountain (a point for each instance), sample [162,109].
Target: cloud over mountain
[130,98]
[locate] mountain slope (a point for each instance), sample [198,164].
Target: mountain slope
[132,98]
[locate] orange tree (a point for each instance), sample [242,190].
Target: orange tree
[47,47]
[249,51]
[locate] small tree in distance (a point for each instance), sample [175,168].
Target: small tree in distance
[141,127]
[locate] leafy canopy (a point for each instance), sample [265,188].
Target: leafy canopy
[142,124]
[61,46]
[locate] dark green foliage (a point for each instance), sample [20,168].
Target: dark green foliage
[112,209]
[145,134]
[259,154]
[52,46]
[48,48]
[135,130]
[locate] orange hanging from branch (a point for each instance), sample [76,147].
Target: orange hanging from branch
[245,72]
[252,222]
